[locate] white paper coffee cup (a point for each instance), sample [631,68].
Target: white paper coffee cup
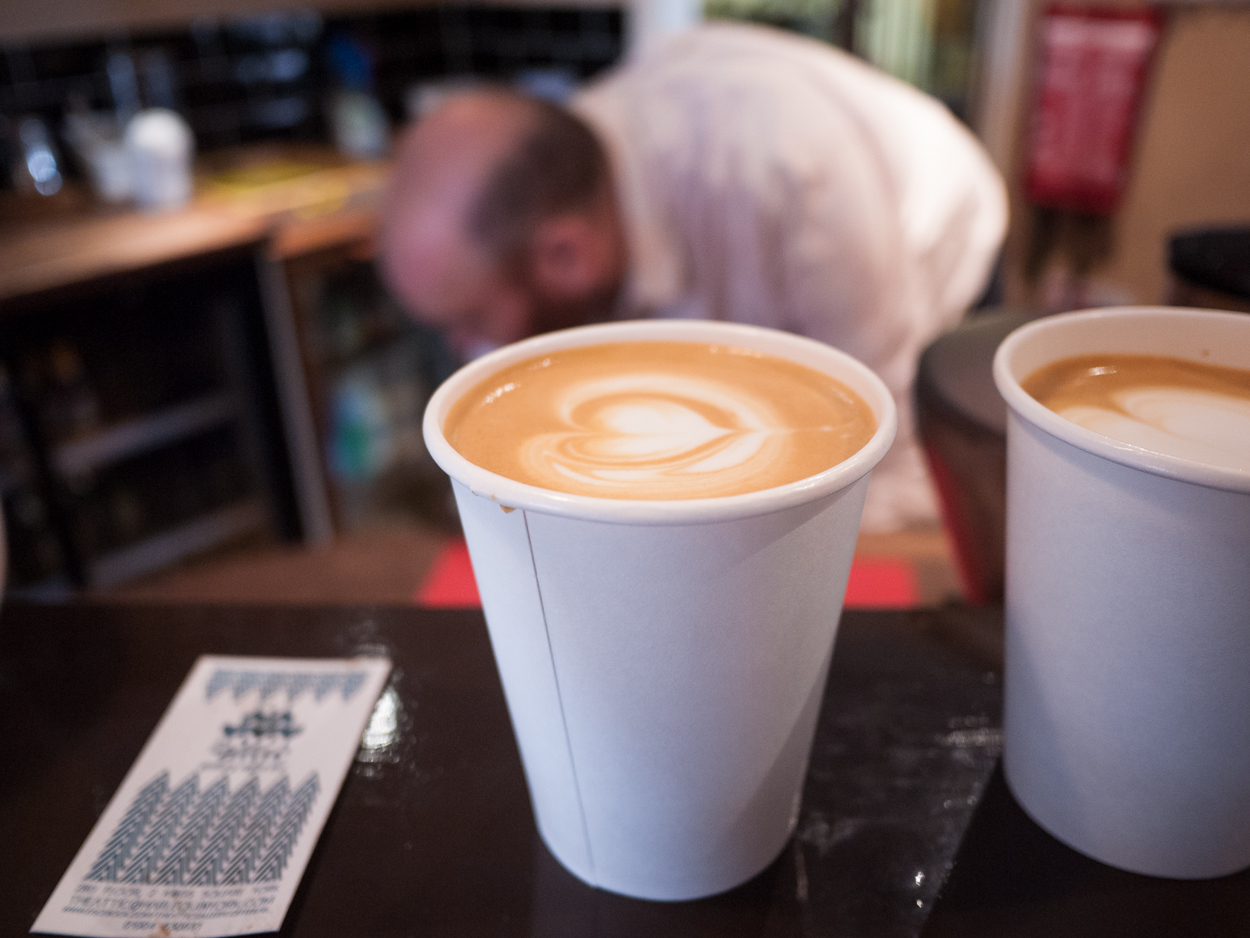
[664,661]
[1127,680]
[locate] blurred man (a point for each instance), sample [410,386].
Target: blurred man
[730,172]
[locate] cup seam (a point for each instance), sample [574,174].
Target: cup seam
[564,720]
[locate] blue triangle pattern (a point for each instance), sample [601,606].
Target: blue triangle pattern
[282,843]
[239,683]
[160,832]
[123,839]
[194,837]
[177,863]
[252,843]
[208,865]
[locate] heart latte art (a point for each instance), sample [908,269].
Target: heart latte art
[1179,408]
[658,420]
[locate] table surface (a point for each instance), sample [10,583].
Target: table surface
[906,825]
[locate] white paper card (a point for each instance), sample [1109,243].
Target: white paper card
[210,831]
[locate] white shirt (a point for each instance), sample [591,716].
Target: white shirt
[771,179]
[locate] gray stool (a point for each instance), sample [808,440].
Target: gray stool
[1210,268]
[962,423]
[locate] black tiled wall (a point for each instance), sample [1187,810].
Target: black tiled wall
[266,77]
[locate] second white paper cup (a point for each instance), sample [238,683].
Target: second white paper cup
[664,661]
[1127,674]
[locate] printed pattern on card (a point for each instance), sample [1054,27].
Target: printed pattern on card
[212,827]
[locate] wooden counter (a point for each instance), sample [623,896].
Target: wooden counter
[45,256]
[45,249]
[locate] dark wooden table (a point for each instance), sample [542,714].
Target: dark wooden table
[432,834]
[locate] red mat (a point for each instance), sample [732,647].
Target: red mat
[449,584]
[875,583]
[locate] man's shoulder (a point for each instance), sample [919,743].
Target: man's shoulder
[716,49]
[756,72]
[736,38]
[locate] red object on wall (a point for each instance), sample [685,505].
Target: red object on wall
[1094,64]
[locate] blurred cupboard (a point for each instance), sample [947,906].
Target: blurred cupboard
[244,378]
[139,423]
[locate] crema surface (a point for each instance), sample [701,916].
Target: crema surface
[1166,405]
[658,420]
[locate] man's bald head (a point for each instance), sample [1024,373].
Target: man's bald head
[473,183]
[442,167]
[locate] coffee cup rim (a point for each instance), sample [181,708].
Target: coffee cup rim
[513,494]
[1025,406]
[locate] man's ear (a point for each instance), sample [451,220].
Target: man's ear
[568,256]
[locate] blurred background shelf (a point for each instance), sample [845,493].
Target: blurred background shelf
[140,422]
[172,546]
[143,433]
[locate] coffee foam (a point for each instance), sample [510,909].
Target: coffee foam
[1195,425]
[659,420]
[1182,409]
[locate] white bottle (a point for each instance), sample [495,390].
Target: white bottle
[359,125]
[160,145]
